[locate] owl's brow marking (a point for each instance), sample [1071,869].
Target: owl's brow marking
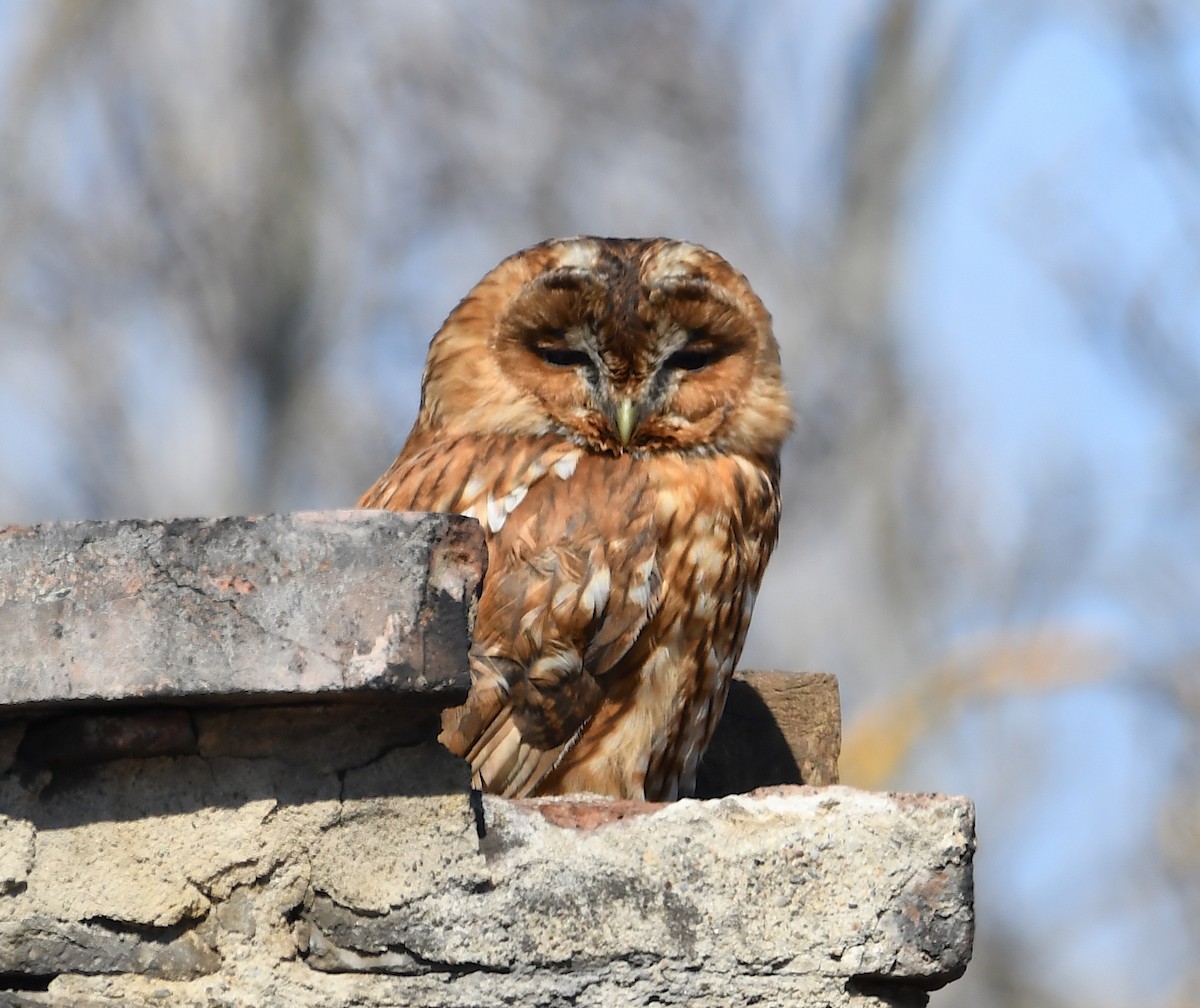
[566,278]
[685,287]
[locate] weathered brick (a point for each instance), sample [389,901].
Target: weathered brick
[293,605]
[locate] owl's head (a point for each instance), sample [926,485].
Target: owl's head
[638,345]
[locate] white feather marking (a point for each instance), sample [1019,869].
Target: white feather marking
[567,663]
[477,511]
[707,560]
[564,468]
[595,592]
[515,496]
[749,469]
[668,501]
[566,592]
[640,592]
[475,486]
[495,513]
[554,666]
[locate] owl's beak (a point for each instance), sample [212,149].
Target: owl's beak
[627,418]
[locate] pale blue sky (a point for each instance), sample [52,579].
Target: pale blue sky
[1055,155]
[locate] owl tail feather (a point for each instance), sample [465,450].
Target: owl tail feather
[483,732]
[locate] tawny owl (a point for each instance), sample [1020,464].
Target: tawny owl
[611,410]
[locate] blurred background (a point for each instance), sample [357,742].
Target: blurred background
[228,230]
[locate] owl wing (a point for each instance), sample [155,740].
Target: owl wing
[573,580]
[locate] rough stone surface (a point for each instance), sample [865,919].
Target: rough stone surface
[331,855]
[281,605]
[248,830]
[772,881]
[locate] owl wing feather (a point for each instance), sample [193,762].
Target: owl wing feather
[553,630]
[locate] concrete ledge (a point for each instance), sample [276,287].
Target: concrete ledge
[337,871]
[192,813]
[237,608]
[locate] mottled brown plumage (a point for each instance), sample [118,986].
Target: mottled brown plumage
[611,410]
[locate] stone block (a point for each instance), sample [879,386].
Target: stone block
[331,855]
[778,728]
[293,605]
[788,881]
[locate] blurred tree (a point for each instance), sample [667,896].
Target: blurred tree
[1149,329]
[230,229]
